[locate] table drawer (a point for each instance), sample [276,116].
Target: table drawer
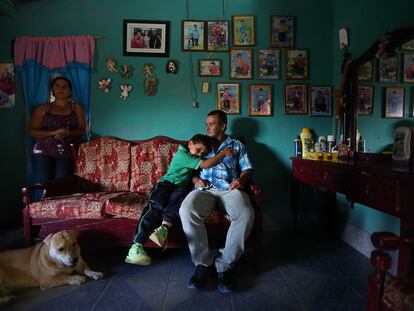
[364,189]
[302,171]
[330,178]
[390,196]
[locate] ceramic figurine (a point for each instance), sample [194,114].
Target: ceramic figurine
[105,85]
[126,71]
[151,82]
[125,89]
[111,64]
[171,66]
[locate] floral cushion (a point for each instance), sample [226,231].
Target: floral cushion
[399,293]
[150,161]
[105,161]
[127,205]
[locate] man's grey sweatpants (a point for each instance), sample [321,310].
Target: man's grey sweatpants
[195,209]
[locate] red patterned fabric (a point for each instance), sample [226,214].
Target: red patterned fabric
[75,206]
[105,161]
[399,293]
[127,205]
[150,161]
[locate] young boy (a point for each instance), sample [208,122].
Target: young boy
[166,196]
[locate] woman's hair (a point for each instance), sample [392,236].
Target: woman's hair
[61,78]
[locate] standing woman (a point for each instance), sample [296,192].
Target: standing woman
[54,126]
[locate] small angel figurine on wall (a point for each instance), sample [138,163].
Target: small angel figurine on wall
[126,71]
[111,64]
[125,89]
[151,82]
[105,85]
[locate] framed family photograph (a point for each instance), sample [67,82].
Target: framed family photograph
[282,30]
[295,101]
[228,97]
[146,38]
[365,100]
[268,64]
[393,102]
[244,30]
[297,64]
[241,63]
[388,69]
[366,71]
[193,35]
[320,103]
[260,100]
[408,67]
[209,68]
[217,36]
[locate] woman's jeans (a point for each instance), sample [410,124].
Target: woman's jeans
[49,168]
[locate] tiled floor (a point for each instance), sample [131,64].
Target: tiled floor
[297,273]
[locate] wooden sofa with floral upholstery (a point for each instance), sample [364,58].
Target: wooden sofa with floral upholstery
[107,194]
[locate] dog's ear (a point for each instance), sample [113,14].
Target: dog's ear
[74,233]
[47,239]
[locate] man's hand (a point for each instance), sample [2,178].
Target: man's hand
[227,151]
[237,184]
[199,183]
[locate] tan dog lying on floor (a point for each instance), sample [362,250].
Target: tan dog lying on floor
[47,264]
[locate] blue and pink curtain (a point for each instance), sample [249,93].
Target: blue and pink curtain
[40,59]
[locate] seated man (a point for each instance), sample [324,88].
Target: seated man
[219,186]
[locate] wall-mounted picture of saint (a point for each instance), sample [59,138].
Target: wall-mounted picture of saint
[366,71]
[241,62]
[365,100]
[244,30]
[7,86]
[387,69]
[228,97]
[193,36]
[282,31]
[408,67]
[268,64]
[297,64]
[320,100]
[393,102]
[218,36]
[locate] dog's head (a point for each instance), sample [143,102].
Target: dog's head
[63,248]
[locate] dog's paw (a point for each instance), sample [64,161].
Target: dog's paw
[6,299]
[94,274]
[77,280]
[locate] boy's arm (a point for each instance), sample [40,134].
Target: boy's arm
[216,159]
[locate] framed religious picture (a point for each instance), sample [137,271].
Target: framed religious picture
[241,63]
[228,97]
[268,64]
[7,85]
[217,36]
[408,67]
[388,69]
[295,100]
[244,30]
[282,30]
[260,100]
[192,35]
[209,67]
[320,101]
[297,64]
[365,100]
[412,102]
[366,71]
[408,46]
[393,102]
[146,38]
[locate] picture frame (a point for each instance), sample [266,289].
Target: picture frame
[366,71]
[210,67]
[295,99]
[241,63]
[320,101]
[282,31]
[218,36]
[408,67]
[365,100]
[193,35]
[393,102]
[146,38]
[388,69]
[297,64]
[412,102]
[244,30]
[408,46]
[268,64]
[228,97]
[260,100]
[7,86]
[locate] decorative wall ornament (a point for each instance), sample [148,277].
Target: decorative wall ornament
[105,85]
[111,64]
[171,66]
[7,86]
[125,89]
[126,71]
[151,82]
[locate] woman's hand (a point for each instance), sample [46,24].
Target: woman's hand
[62,132]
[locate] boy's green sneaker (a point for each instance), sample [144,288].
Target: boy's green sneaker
[138,256]
[160,235]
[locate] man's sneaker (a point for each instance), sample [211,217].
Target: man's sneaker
[226,282]
[138,256]
[199,278]
[159,236]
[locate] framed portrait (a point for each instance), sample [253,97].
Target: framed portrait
[193,36]
[388,69]
[244,30]
[320,101]
[393,102]
[228,97]
[412,102]
[146,38]
[241,63]
[408,46]
[209,67]
[408,67]
[217,36]
[282,30]
[365,100]
[260,100]
[366,71]
[7,85]
[268,64]
[295,99]
[297,64]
